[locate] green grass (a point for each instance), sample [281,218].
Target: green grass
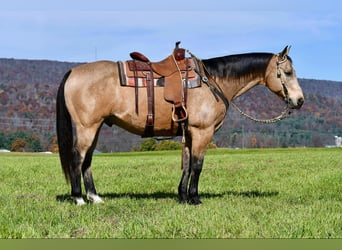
[272,193]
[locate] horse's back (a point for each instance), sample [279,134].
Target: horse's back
[91,73]
[89,90]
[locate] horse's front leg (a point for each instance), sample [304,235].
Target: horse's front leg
[196,169]
[200,141]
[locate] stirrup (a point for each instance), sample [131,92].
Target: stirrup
[181,119]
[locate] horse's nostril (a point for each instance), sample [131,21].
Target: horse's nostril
[300,102]
[296,103]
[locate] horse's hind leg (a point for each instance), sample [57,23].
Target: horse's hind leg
[87,174]
[88,179]
[82,156]
[75,177]
[183,185]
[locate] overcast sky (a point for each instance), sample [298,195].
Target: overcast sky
[84,30]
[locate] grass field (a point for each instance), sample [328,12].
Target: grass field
[271,193]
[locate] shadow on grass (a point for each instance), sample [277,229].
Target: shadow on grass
[174,196]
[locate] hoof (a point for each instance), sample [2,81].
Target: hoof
[182,199]
[79,201]
[194,201]
[94,198]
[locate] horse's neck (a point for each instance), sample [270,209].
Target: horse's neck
[236,87]
[243,87]
[243,72]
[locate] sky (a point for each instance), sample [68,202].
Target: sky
[88,30]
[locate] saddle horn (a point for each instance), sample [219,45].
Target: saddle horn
[179,53]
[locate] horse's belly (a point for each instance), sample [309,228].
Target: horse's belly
[163,124]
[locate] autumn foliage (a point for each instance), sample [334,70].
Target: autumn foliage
[27,105]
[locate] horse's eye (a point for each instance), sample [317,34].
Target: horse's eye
[288,73]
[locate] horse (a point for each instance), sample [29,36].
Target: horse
[90,95]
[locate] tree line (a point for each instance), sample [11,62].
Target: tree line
[20,142]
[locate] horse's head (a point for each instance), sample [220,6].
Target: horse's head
[281,79]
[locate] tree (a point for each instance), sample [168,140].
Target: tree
[20,140]
[168,145]
[254,141]
[3,141]
[19,145]
[149,144]
[53,147]
[34,144]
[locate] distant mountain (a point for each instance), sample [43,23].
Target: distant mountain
[27,103]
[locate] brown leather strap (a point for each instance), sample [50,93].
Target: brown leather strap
[136,90]
[150,105]
[181,109]
[185,84]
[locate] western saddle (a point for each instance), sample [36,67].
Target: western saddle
[173,73]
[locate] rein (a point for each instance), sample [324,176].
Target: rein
[217,91]
[286,113]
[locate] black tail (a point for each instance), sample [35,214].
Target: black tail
[64,130]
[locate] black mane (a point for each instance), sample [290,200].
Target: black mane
[238,66]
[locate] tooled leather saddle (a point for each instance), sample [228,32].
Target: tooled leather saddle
[172,73]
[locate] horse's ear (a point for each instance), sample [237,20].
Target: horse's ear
[285,52]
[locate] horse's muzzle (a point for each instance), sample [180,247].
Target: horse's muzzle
[296,103]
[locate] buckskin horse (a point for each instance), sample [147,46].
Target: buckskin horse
[91,94]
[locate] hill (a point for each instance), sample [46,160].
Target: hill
[27,99]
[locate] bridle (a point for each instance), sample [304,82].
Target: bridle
[281,76]
[286,112]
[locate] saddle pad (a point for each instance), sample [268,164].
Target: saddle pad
[127,78]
